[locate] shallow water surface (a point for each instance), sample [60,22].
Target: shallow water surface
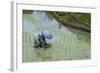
[67,44]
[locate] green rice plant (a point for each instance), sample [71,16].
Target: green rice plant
[65,45]
[30,18]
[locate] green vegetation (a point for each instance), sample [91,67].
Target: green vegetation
[28,16]
[80,21]
[66,45]
[70,46]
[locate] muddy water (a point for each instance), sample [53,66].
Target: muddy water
[67,44]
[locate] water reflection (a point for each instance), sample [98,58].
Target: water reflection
[67,44]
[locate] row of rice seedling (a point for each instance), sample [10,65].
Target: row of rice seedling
[65,46]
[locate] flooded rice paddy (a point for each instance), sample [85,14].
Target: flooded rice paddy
[67,44]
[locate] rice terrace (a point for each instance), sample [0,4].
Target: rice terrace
[55,36]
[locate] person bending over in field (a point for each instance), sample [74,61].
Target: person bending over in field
[40,39]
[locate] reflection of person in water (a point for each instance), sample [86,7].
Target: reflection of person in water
[40,39]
